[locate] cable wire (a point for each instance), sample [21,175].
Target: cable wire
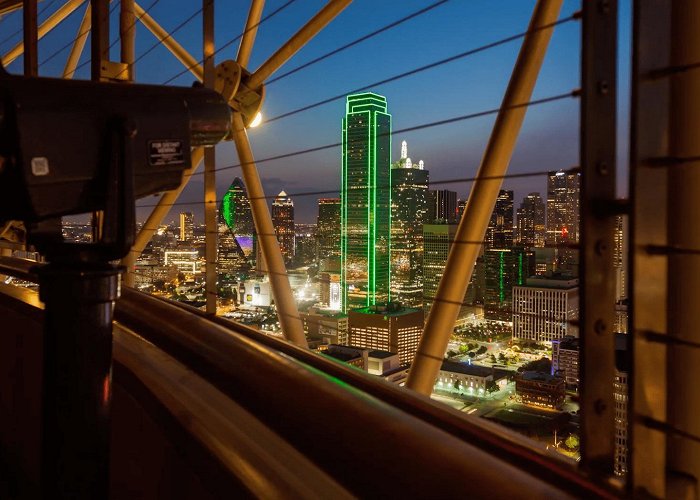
[357,41]
[232,41]
[420,69]
[10,37]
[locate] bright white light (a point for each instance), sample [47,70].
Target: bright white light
[256,121]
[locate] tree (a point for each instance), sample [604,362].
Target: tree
[492,386]
[493,359]
[481,350]
[471,354]
[572,442]
[463,349]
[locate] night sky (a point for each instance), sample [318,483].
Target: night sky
[548,141]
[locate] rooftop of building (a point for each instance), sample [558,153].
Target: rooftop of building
[568,343]
[378,354]
[533,376]
[391,309]
[555,281]
[466,369]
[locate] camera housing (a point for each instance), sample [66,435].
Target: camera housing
[58,139]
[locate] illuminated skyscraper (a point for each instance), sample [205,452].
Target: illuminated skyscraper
[505,268]
[409,210]
[186,227]
[283,220]
[328,235]
[563,195]
[499,233]
[563,202]
[365,201]
[236,239]
[531,219]
[442,208]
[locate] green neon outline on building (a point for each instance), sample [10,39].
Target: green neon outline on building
[366,111]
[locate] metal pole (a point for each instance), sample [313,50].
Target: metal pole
[127,36]
[77,379]
[683,453]
[281,289]
[472,227]
[31,62]
[298,40]
[156,218]
[79,44]
[251,29]
[170,43]
[210,239]
[597,302]
[51,22]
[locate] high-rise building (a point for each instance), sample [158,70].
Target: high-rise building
[437,241]
[235,213]
[461,207]
[563,202]
[565,355]
[499,233]
[283,220]
[389,327]
[409,209]
[442,206]
[328,235]
[531,221]
[186,227]
[365,201]
[504,268]
[544,309]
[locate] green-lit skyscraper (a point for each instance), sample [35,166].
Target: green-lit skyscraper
[365,202]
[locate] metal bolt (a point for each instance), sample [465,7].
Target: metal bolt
[602,168]
[599,327]
[599,406]
[603,87]
[601,247]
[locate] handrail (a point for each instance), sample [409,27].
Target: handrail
[23,269]
[507,445]
[245,364]
[226,354]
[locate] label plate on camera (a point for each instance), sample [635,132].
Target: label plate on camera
[165,152]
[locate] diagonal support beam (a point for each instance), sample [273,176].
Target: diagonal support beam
[170,43]
[53,20]
[251,30]
[281,289]
[298,40]
[472,227]
[79,45]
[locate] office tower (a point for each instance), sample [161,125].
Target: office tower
[621,394]
[409,209]
[563,193]
[437,241]
[305,250]
[563,202]
[531,221]
[328,235]
[231,261]
[186,227]
[442,206]
[235,213]
[499,233]
[565,355]
[283,220]
[365,201]
[391,327]
[461,207]
[543,309]
[504,268]
[620,256]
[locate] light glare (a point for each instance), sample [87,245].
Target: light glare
[256,121]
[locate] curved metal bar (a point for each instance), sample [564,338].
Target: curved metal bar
[24,269]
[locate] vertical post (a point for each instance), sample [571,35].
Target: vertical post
[209,165]
[79,303]
[99,45]
[127,37]
[598,75]
[472,227]
[649,275]
[683,451]
[31,62]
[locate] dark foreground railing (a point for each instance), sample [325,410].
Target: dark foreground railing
[249,413]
